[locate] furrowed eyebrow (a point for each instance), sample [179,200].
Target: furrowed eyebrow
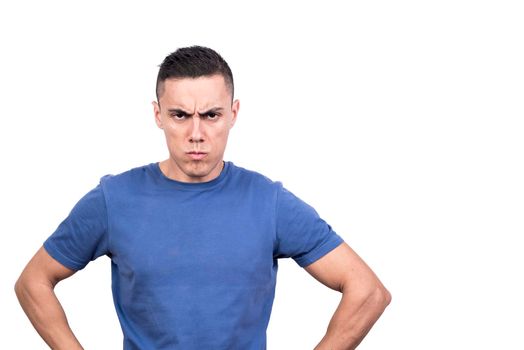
[214,110]
[181,111]
[178,111]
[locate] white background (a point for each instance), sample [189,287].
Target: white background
[401,122]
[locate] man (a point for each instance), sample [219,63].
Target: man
[194,240]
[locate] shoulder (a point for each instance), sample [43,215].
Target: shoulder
[284,197]
[128,177]
[253,178]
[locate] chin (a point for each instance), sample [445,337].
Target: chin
[198,169]
[197,174]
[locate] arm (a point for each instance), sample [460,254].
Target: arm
[364,298]
[35,291]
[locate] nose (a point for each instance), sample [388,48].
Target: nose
[196,132]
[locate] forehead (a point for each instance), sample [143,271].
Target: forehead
[195,91]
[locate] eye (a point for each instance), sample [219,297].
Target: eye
[179,116]
[212,116]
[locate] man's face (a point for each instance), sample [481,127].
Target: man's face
[196,116]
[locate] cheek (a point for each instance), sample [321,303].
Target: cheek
[175,132]
[174,136]
[218,131]
[221,137]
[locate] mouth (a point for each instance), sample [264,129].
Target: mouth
[196,155]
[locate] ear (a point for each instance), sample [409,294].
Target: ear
[158,116]
[234,112]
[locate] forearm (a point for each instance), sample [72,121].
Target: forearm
[43,309]
[353,319]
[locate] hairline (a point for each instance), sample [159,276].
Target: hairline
[160,84]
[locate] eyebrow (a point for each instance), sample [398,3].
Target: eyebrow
[181,111]
[178,111]
[214,110]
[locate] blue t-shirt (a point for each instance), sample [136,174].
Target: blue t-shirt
[193,264]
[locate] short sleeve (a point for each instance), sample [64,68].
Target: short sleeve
[82,236]
[301,233]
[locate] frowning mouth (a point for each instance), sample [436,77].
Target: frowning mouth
[196,155]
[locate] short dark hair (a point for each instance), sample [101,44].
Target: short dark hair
[193,62]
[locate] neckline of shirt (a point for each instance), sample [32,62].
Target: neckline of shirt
[191,186]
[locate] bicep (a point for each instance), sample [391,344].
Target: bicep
[342,268]
[44,268]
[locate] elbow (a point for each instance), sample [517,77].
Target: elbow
[19,287]
[375,297]
[24,286]
[372,293]
[386,296]
[381,297]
